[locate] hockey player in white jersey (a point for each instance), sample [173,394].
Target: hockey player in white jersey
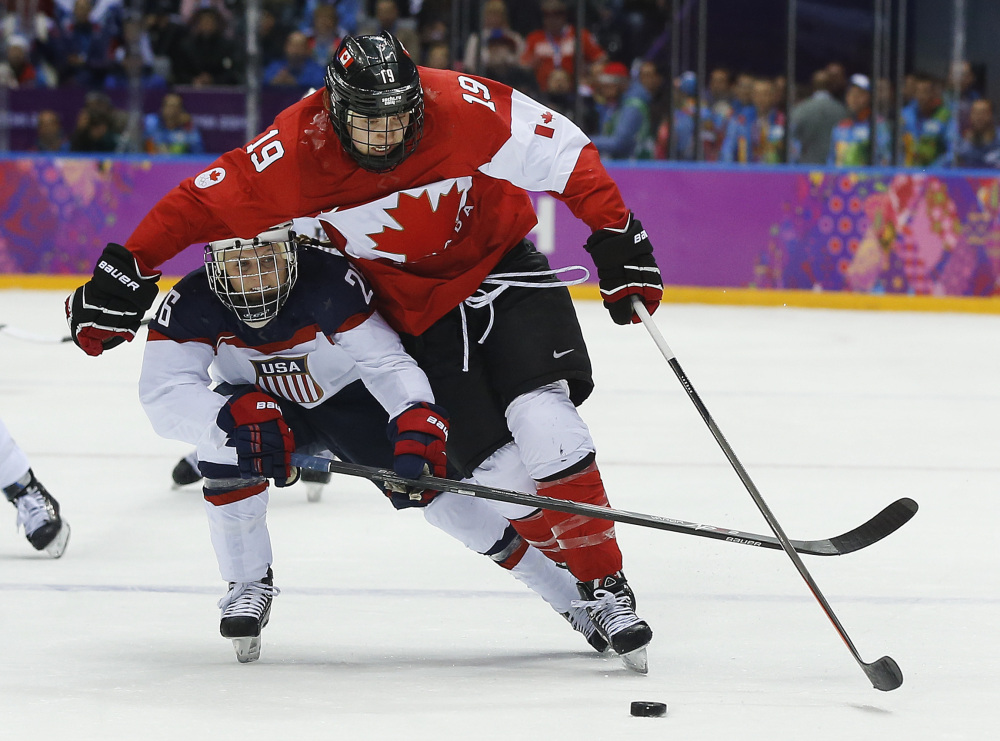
[37,510]
[300,361]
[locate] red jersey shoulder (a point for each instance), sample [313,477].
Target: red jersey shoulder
[472,114]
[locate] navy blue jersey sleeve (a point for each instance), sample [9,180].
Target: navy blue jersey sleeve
[190,312]
[329,293]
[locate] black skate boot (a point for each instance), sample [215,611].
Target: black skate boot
[245,611]
[38,511]
[315,481]
[611,605]
[186,472]
[579,618]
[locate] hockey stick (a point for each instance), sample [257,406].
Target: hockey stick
[884,523]
[21,334]
[884,673]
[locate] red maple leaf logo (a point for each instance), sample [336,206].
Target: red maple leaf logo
[423,230]
[547,117]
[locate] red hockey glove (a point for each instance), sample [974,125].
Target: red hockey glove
[625,267]
[264,443]
[418,437]
[108,309]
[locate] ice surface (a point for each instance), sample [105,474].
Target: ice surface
[387,629]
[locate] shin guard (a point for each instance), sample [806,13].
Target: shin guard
[587,545]
[536,530]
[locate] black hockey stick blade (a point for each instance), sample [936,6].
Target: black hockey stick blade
[884,674]
[883,524]
[886,522]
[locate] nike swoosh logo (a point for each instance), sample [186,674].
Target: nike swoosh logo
[560,354]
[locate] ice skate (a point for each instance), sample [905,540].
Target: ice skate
[38,512]
[579,618]
[245,611]
[315,481]
[186,471]
[611,605]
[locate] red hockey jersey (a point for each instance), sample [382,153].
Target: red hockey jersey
[425,234]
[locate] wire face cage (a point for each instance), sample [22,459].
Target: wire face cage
[253,277]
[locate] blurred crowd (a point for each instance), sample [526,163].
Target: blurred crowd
[623,97]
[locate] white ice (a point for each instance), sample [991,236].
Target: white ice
[387,629]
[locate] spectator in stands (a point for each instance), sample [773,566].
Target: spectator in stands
[272,33]
[207,56]
[132,63]
[298,68]
[652,79]
[171,131]
[758,137]
[560,95]
[927,125]
[133,56]
[94,133]
[34,21]
[837,80]
[438,55]
[967,93]
[623,109]
[742,97]
[85,47]
[325,33]
[850,140]
[347,11]
[387,18]
[720,93]
[17,71]
[503,64]
[813,119]
[188,9]
[433,31]
[165,36]
[494,25]
[554,44]
[980,146]
[50,134]
[97,102]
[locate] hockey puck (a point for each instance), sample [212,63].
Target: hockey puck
[648,709]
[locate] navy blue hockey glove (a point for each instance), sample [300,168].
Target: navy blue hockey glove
[264,443]
[108,309]
[418,437]
[626,268]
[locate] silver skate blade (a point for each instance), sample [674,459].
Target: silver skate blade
[247,649]
[636,660]
[314,491]
[58,545]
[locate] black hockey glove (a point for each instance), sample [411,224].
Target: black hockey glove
[108,309]
[626,268]
[263,441]
[418,437]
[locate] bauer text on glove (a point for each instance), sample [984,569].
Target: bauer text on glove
[263,441]
[108,309]
[626,268]
[418,437]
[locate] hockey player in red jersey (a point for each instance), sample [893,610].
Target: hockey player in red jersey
[419,176]
[299,361]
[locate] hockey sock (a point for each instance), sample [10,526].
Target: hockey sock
[588,545]
[536,530]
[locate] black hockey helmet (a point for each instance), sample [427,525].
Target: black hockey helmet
[373,77]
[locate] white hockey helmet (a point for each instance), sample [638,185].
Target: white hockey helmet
[254,277]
